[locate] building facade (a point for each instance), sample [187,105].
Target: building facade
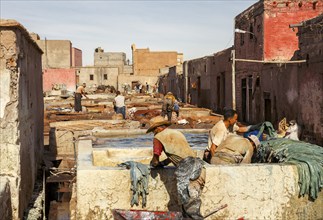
[273,70]
[269,74]
[59,60]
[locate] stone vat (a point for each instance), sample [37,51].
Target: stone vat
[254,191]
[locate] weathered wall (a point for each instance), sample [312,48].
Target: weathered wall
[274,91]
[101,75]
[250,45]
[146,62]
[271,191]
[59,76]
[221,81]
[57,53]
[76,57]
[21,136]
[199,83]
[311,81]
[173,82]
[280,41]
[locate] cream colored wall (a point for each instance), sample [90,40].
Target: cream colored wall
[251,191]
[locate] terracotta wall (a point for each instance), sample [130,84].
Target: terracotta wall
[280,41]
[146,62]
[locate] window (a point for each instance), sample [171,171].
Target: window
[91,77]
[105,76]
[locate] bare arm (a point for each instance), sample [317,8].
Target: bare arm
[212,149]
[248,155]
[83,93]
[155,161]
[243,129]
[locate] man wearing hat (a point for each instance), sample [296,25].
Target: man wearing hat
[236,149]
[174,144]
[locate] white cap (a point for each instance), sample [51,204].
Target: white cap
[255,140]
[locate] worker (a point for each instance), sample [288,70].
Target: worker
[168,105]
[174,144]
[220,131]
[80,91]
[119,104]
[236,149]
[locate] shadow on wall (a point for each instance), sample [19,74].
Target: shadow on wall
[169,185]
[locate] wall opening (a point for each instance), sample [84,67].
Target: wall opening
[267,102]
[243,98]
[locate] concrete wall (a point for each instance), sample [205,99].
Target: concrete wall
[76,57]
[99,74]
[146,62]
[59,76]
[258,191]
[21,135]
[57,53]
[102,58]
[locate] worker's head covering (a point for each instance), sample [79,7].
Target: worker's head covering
[169,93]
[255,140]
[156,122]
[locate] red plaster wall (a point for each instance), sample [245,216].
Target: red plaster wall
[59,76]
[280,41]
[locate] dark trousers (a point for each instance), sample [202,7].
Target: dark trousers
[121,110]
[77,102]
[168,113]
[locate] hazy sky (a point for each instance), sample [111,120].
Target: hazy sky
[194,28]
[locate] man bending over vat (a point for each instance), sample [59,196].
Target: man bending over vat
[190,173]
[220,132]
[235,149]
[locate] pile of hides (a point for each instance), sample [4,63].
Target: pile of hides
[307,157]
[188,169]
[139,174]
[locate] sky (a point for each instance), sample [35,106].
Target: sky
[194,28]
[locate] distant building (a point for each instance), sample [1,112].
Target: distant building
[148,63]
[113,68]
[59,61]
